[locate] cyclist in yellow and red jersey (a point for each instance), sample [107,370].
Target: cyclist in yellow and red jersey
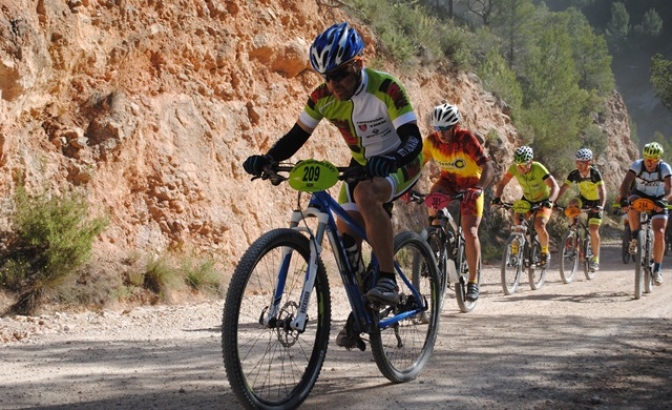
[464,167]
[538,186]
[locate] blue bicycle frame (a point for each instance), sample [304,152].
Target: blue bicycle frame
[323,207]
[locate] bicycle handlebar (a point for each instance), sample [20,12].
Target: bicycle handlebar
[349,174]
[419,198]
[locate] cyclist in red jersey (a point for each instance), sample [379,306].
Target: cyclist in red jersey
[464,167]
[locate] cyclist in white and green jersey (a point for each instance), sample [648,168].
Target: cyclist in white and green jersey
[373,113]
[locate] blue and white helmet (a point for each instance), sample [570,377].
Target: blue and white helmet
[584,154]
[338,44]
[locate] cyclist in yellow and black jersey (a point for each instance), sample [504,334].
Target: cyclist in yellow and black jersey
[592,195]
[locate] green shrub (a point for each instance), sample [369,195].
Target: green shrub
[53,237]
[201,275]
[160,275]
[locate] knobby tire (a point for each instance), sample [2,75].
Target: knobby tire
[536,275]
[441,251]
[569,257]
[639,265]
[512,266]
[625,245]
[588,252]
[274,367]
[402,350]
[648,257]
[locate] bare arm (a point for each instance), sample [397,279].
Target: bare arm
[602,192]
[487,173]
[563,189]
[626,184]
[550,181]
[500,186]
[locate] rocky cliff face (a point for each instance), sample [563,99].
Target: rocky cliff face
[151,106]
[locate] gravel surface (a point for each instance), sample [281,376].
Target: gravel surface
[586,345]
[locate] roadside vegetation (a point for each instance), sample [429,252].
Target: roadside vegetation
[46,258]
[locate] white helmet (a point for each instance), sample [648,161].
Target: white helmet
[445,115]
[584,154]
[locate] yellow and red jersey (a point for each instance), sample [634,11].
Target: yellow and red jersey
[460,160]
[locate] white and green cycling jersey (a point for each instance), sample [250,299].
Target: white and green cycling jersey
[369,120]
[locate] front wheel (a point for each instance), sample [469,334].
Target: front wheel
[569,257]
[639,265]
[648,257]
[588,251]
[269,363]
[402,349]
[465,305]
[536,274]
[512,264]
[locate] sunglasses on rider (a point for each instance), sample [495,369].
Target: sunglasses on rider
[337,75]
[442,128]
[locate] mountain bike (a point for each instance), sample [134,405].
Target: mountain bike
[522,249]
[447,241]
[576,246]
[643,257]
[277,312]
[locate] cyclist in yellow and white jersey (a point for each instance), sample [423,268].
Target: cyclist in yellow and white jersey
[649,178]
[373,113]
[592,195]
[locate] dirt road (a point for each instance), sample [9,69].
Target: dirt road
[586,345]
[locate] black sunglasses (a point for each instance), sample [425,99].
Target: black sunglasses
[337,76]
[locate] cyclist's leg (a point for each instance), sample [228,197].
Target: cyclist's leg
[371,197]
[471,219]
[540,221]
[633,221]
[594,223]
[658,223]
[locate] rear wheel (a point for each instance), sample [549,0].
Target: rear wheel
[402,349]
[536,274]
[512,264]
[569,257]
